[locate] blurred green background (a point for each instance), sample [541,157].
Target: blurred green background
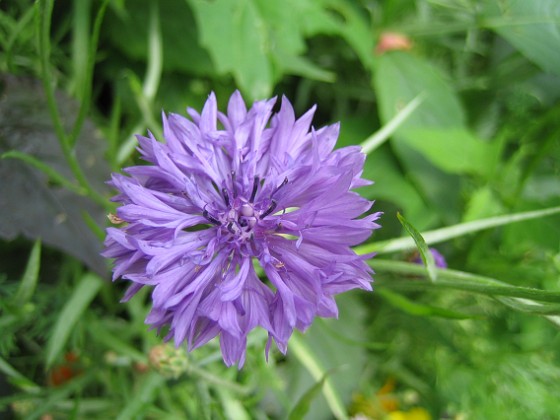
[79,78]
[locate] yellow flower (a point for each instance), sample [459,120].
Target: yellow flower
[417,413]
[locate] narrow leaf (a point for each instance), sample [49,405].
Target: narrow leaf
[302,406]
[22,382]
[425,253]
[418,309]
[54,176]
[29,279]
[113,341]
[142,396]
[530,306]
[460,280]
[444,234]
[83,295]
[380,136]
[302,352]
[155,57]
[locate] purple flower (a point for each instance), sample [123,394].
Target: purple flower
[228,193]
[438,259]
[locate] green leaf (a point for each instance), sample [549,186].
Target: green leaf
[302,406]
[393,186]
[444,234]
[455,150]
[29,279]
[144,395]
[155,55]
[460,280]
[306,357]
[130,33]
[113,341]
[532,307]
[380,136]
[246,52]
[71,312]
[425,252]
[54,176]
[399,78]
[17,378]
[482,203]
[36,168]
[301,66]
[418,309]
[533,27]
[355,29]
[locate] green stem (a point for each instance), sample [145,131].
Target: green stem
[215,380]
[440,235]
[44,15]
[87,84]
[460,280]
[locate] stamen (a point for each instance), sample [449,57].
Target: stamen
[211,219]
[255,186]
[269,210]
[234,189]
[230,227]
[215,187]
[279,186]
[226,196]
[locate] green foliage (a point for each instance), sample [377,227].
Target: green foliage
[82,296]
[473,166]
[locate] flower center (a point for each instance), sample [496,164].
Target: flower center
[242,217]
[240,221]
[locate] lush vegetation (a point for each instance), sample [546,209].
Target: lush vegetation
[457,104]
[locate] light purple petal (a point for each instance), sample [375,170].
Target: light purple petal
[225,191]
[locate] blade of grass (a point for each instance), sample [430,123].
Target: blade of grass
[93,226]
[425,254]
[455,231]
[86,83]
[342,338]
[529,306]
[60,394]
[80,46]
[145,93]
[144,395]
[155,55]
[73,309]
[302,406]
[43,23]
[18,379]
[29,279]
[302,352]
[460,280]
[100,333]
[14,33]
[382,135]
[413,308]
[51,173]
[43,17]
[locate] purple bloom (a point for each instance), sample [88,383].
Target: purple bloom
[226,192]
[438,259]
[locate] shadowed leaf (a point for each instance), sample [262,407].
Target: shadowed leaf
[31,206]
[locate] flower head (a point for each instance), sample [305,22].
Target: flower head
[226,193]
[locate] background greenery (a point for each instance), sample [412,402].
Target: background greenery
[80,78]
